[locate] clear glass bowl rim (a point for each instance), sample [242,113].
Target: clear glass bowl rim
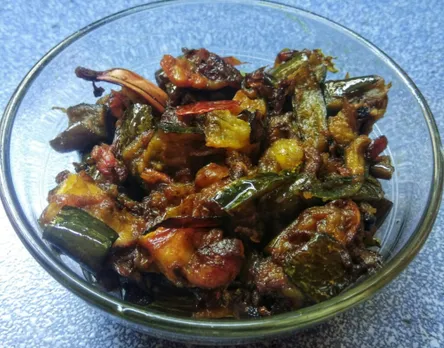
[164,325]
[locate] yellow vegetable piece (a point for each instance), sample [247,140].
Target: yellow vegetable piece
[354,155]
[340,129]
[223,130]
[152,155]
[75,184]
[173,253]
[87,195]
[253,105]
[283,154]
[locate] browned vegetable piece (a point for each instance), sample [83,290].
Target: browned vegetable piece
[148,90]
[240,193]
[383,168]
[291,65]
[130,262]
[281,127]
[108,165]
[269,278]
[304,72]
[195,257]
[239,164]
[354,155]
[370,191]
[340,219]
[162,198]
[82,237]
[312,250]
[353,89]
[200,69]
[254,105]
[383,208]
[170,151]
[315,262]
[210,174]
[170,122]
[342,127]
[118,102]
[79,190]
[87,126]
[152,177]
[367,94]
[199,204]
[311,114]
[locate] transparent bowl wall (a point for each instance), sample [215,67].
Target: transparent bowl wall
[254,33]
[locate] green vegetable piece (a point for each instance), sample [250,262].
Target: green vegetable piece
[371,190]
[136,120]
[169,123]
[290,68]
[240,192]
[329,189]
[86,127]
[285,198]
[335,188]
[81,236]
[296,67]
[318,267]
[224,130]
[311,116]
[176,128]
[278,208]
[289,194]
[336,90]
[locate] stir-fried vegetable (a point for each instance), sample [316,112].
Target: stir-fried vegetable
[290,68]
[354,155]
[87,126]
[240,192]
[370,191]
[137,120]
[335,91]
[342,127]
[283,154]
[367,95]
[224,130]
[195,257]
[224,194]
[316,263]
[81,236]
[257,105]
[311,116]
[200,69]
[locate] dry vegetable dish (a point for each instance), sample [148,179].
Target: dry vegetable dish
[217,193]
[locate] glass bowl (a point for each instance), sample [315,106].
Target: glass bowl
[253,31]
